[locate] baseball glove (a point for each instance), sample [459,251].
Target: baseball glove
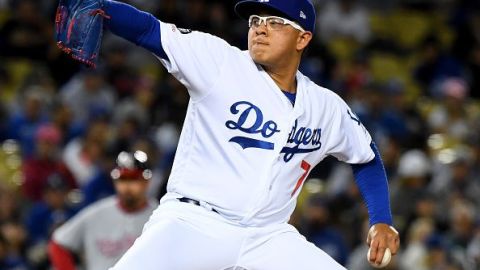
[79,29]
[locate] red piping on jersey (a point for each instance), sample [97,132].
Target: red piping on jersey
[60,257]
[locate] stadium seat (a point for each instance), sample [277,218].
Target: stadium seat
[410,27]
[343,49]
[18,70]
[10,165]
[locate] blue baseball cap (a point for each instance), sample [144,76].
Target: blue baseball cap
[300,11]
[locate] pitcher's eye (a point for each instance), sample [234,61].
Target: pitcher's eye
[275,23]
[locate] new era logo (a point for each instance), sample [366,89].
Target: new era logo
[302,15]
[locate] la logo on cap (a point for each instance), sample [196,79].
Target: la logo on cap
[302,15]
[263,1]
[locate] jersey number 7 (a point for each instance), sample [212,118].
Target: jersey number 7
[306,167]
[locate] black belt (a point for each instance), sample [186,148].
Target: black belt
[192,201]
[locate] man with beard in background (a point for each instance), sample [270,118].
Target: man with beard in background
[103,231]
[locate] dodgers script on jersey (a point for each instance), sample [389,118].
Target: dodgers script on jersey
[243,137]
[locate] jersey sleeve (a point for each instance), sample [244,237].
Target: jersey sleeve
[70,235]
[348,140]
[194,58]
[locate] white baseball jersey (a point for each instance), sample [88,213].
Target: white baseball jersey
[103,231]
[245,149]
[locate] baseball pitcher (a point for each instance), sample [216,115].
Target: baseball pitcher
[254,129]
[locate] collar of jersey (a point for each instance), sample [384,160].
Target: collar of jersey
[298,107]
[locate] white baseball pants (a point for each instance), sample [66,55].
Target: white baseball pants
[183,236]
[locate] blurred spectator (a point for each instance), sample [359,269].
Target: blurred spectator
[345,19]
[172,102]
[44,163]
[414,170]
[81,155]
[435,64]
[23,124]
[40,81]
[427,207]
[62,118]
[473,249]
[438,256]
[462,228]
[105,242]
[455,180]
[318,229]
[26,33]
[218,21]
[475,145]
[340,179]
[415,255]
[9,206]
[100,186]
[88,96]
[45,216]
[5,262]
[319,64]
[451,115]
[126,132]
[390,149]
[12,241]
[387,114]
[119,74]
[358,76]
[139,107]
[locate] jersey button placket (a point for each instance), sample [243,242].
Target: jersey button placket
[267,177]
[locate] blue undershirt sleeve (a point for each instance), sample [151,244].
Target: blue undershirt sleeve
[372,181]
[136,26]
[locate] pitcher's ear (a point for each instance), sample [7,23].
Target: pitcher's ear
[303,40]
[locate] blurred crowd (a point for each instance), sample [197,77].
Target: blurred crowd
[410,69]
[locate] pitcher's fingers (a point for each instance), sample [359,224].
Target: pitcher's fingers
[380,253]
[394,244]
[373,250]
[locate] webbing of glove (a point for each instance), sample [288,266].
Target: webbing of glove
[79,29]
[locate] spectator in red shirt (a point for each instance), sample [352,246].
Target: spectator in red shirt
[44,163]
